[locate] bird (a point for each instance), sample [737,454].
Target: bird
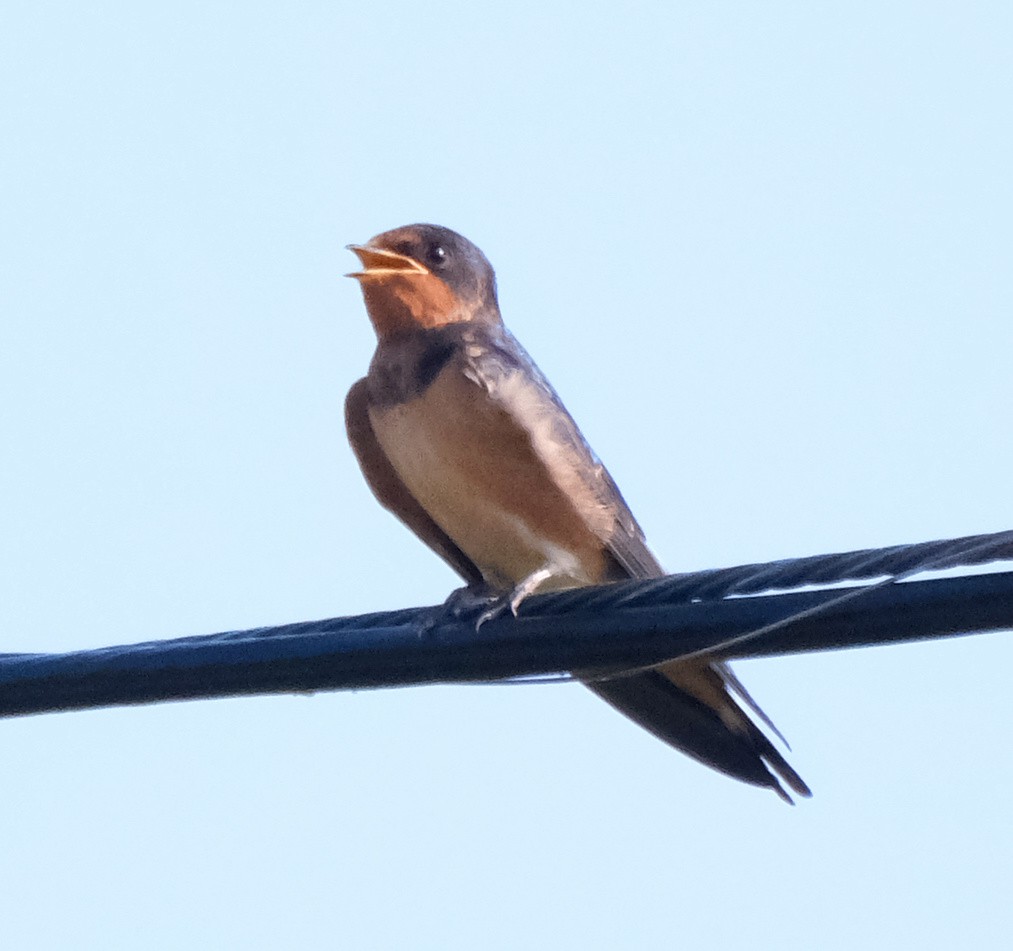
[459,434]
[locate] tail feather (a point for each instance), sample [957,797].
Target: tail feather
[728,741]
[738,687]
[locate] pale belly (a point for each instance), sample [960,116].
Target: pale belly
[479,476]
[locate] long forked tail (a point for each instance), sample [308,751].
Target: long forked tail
[721,736]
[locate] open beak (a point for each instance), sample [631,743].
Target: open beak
[380,263]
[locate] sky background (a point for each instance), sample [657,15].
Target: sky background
[762,251]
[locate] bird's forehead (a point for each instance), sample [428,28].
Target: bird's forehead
[388,239]
[416,234]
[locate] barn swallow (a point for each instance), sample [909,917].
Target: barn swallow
[460,436]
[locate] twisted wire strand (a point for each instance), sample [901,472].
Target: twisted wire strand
[717,583]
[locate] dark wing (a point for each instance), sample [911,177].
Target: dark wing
[391,492]
[497,361]
[686,704]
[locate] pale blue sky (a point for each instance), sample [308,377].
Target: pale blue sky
[763,252]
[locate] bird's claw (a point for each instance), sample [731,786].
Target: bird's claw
[482,604]
[498,607]
[464,602]
[513,599]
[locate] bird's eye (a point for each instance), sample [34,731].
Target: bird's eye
[437,256]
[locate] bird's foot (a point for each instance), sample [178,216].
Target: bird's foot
[469,601]
[461,604]
[485,603]
[512,599]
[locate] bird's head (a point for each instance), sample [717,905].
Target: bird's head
[422,277]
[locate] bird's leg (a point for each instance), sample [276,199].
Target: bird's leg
[512,599]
